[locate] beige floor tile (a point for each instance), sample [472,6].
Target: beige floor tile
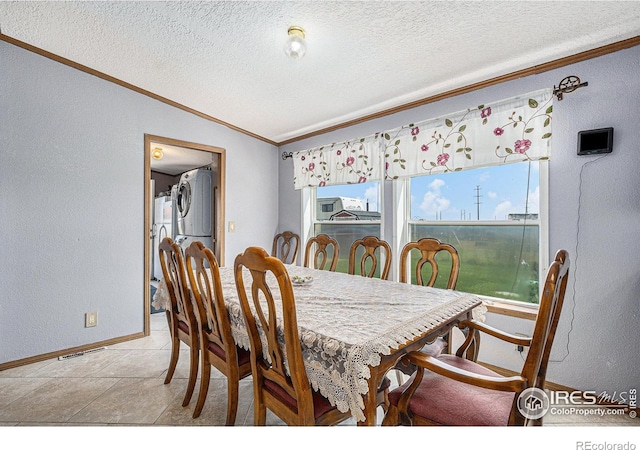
[25,371]
[131,401]
[55,401]
[214,412]
[12,389]
[158,321]
[182,368]
[155,341]
[138,364]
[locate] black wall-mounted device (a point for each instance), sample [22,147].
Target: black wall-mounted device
[594,142]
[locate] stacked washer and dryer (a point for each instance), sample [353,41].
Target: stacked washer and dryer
[192,203]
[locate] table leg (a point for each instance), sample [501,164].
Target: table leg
[370,402]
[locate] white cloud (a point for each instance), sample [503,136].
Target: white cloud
[433,201]
[534,201]
[502,210]
[371,195]
[492,195]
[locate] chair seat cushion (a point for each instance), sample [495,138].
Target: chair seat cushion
[444,401]
[386,383]
[244,356]
[321,404]
[183,326]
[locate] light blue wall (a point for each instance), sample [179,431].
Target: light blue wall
[594,214]
[72,203]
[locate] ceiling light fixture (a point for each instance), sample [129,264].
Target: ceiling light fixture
[296,46]
[157,153]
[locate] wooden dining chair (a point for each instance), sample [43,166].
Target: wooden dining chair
[320,257]
[183,325]
[286,246]
[429,248]
[455,390]
[370,245]
[279,384]
[217,345]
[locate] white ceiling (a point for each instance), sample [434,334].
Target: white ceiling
[177,160]
[225,58]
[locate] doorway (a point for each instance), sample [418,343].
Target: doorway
[165,160]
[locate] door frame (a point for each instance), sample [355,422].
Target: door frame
[217,199]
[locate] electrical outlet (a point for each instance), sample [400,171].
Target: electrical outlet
[520,348]
[90,319]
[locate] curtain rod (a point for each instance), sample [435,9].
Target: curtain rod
[566,85]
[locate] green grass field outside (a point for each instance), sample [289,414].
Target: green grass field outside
[497,261]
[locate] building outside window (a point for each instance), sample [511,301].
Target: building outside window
[347,213]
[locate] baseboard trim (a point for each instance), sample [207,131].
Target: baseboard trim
[58,353]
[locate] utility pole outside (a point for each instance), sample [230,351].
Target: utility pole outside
[478,201]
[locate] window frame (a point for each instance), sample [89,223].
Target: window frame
[402,214]
[394,228]
[309,220]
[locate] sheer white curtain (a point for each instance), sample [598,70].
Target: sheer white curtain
[512,130]
[355,161]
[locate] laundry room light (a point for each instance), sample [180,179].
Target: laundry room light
[296,46]
[157,153]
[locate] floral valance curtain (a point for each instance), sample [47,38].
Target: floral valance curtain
[356,161]
[508,131]
[513,130]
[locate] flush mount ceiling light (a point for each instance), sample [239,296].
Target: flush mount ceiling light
[157,153]
[296,46]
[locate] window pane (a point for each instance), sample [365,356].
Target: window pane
[348,202]
[346,234]
[503,192]
[498,261]
[347,213]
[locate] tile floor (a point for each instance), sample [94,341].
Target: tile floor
[123,385]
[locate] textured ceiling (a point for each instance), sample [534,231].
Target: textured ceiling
[225,59]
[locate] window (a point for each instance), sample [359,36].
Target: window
[476,179]
[348,212]
[492,216]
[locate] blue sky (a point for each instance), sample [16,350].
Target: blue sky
[503,190]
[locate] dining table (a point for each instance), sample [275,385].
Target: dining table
[354,329]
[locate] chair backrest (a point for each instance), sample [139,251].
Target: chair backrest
[260,311]
[370,244]
[320,256]
[206,289]
[286,246]
[429,248]
[551,300]
[173,271]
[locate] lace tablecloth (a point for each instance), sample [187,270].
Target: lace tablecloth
[347,322]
